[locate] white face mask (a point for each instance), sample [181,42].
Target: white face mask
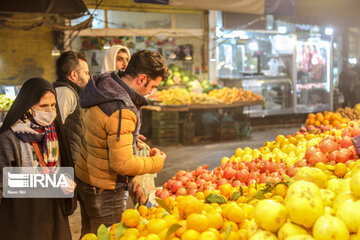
[44,118]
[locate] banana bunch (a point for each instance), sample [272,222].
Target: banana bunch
[351,113]
[234,95]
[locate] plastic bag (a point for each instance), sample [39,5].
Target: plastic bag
[143,185]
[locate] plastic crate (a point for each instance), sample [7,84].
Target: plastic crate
[173,116]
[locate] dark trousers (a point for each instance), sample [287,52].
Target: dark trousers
[100,206]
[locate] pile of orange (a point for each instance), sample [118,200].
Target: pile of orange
[326,118]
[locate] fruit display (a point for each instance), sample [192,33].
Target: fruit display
[350,113]
[300,186]
[5,102]
[190,82]
[180,96]
[327,118]
[231,95]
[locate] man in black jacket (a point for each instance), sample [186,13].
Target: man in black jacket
[73,74]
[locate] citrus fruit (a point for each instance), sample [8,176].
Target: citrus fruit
[197,222]
[131,218]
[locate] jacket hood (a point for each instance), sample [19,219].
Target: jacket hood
[109,63]
[108,87]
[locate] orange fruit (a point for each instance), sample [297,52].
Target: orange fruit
[142,210]
[89,236]
[227,223]
[190,234]
[198,222]
[200,195]
[311,116]
[317,123]
[236,214]
[326,122]
[319,117]
[156,225]
[215,220]
[281,190]
[208,235]
[182,229]
[132,231]
[131,218]
[226,189]
[308,121]
[188,205]
[335,123]
[340,169]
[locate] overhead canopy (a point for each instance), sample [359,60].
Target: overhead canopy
[62,7]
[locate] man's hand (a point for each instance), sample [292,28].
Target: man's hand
[157,152]
[140,140]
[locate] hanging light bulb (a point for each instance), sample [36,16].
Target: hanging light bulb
[172,55]
[188,57]
[55,52]
[107,45]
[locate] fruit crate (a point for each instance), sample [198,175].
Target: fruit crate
[187,132]
[165,141]
[165,132]
[165,124]
[226,131]
[168,116]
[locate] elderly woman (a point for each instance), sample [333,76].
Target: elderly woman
[28,138]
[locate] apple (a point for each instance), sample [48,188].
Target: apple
[176,185]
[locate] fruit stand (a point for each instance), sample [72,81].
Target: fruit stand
[218,113]
[300,186]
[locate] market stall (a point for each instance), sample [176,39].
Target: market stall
[177,115]
[299,186]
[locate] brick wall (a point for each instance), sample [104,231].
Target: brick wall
[25,54]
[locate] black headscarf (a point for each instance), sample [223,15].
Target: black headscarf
[30,93]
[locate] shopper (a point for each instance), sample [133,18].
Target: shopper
[29,125]
[116,57]
[72,75]
[108,161]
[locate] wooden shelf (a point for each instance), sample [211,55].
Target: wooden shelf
[184,108]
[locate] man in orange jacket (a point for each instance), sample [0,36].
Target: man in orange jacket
[111,124]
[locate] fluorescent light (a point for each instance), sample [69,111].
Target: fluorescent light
[352,60]
[253,46]
[107,45]
[55,52]
[329,31]
[282,29]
